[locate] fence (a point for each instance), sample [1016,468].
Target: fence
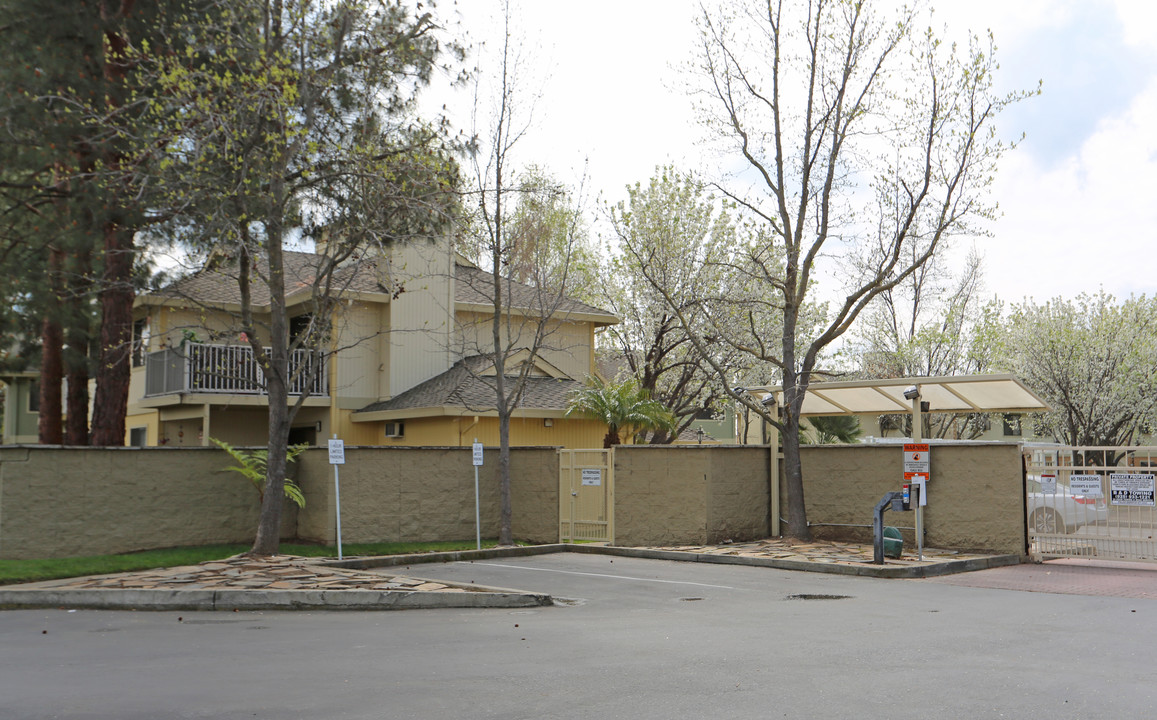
[228,369]
[1091,501]
[80,501]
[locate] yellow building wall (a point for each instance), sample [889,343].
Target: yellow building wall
[147,420]
[461,432]
[358,369]
[167,326]
[567,345]
[420,317]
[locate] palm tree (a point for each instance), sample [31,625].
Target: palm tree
[621,405]
[830,429]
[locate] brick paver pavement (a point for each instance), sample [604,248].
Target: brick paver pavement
[1066,577]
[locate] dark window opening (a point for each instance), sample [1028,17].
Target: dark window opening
[1012,426]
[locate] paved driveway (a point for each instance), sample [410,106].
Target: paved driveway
[636,638]
[1068,577]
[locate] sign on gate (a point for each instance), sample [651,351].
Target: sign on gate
[1134,489]
[592,476]
[1085,485]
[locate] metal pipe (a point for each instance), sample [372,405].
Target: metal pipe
[898,527]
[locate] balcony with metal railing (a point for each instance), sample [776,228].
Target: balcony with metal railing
[226,370]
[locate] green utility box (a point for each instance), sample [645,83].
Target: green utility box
[893,543]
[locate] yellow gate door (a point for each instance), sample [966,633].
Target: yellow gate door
[586,507]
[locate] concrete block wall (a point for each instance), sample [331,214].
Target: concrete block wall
[690,494]
[61,502]
[426,494]
[66,502]
[975,494]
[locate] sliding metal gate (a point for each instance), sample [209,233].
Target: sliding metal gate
[586,507]
[1091,502]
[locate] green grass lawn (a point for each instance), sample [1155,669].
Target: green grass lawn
[20,571]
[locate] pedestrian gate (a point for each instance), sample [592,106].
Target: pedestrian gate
[586,508]
[1091,502]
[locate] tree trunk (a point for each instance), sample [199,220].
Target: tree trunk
[268,539]
[76,419]
[116,333]
[49,426]
[51,376]
[797,526]
[506,506]
[76,357]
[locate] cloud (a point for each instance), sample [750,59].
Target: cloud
[1085,223]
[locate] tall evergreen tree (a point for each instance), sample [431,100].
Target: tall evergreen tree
[68,207]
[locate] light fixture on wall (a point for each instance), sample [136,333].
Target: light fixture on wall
[548,422]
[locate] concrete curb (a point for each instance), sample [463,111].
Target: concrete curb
[364,563]
[881,571]
[241,599]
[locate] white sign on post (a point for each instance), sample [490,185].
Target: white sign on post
[477,453]
[1048,483]
[337,457]
[336,452]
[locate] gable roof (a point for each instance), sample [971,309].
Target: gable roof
[466,389]
[475,287]
[217,285]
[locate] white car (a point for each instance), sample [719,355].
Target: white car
[1062,511]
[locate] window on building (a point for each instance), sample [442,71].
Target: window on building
[1012,426]
[138,436]
[140,341]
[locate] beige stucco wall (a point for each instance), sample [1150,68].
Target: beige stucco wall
[426,494]
[64,502]
[676,495]
[69,502]
[566,344]
[975,499]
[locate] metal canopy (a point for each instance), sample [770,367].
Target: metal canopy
[959,394]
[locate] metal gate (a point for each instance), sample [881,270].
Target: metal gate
[1091,502]
[586,507]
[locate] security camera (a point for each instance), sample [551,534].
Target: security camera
[738,389]
[912,392]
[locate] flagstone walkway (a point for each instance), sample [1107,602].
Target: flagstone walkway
[822,552]
[279,572]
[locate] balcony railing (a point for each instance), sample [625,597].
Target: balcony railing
[227,370]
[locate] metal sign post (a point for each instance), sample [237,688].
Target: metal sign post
[477,503]
[337,457]
[917,470]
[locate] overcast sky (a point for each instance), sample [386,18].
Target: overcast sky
[1078,198]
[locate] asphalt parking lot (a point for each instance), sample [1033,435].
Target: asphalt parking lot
[630,638]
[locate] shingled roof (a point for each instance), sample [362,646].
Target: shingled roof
[217,285]
[476,286]
[463,386]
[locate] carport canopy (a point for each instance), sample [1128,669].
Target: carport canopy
[956,394]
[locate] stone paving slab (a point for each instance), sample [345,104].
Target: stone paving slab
[279,582]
